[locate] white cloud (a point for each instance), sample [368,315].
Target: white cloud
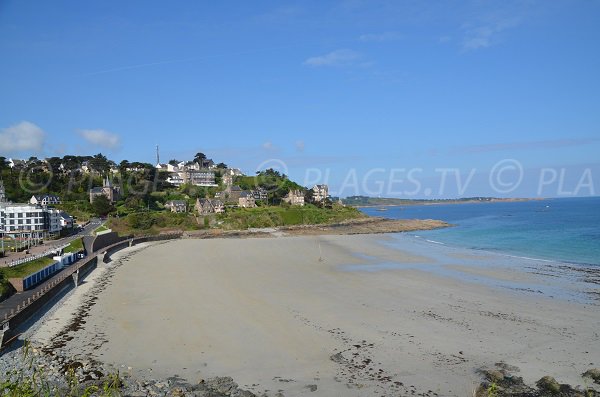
[335,58]
[101,138]
[268,145]
[485,35]
[387,36]
[22,137]
[299,145]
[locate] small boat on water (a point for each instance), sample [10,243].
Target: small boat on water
[382,209]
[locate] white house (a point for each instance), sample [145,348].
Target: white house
[44,199]
[320,193]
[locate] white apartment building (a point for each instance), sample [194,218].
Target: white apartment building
[33,221]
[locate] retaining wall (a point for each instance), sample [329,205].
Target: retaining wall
[41,297]
[48,290]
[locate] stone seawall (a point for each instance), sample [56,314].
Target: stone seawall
[42,296]
[29,303]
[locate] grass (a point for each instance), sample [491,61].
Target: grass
[273,216]
[33,381]
[153,222]
[19,271]
[102,228]
[26,268]
[75,246]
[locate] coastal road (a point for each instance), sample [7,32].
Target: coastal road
[50,245]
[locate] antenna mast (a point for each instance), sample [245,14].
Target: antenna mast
[157,156]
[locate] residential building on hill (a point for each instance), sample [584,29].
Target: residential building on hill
[175,179]
[209,206]
[200,178]
[260,194]
[44,199]
[246,200]
[176,206]
[320,193]
[294,197]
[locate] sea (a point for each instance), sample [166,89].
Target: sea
[565,230]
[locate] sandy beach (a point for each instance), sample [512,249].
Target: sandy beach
[355,315]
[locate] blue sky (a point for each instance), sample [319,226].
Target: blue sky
[356,94]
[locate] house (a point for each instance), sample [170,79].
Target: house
[246,200]
[320,193]
[66,220]
[234,193]
[260,194]
[228,179]
[208,206]
[200,178]
[294,197]
[162,167]
[112,193]
[85,167]
[15,163]
[176,205]
[175,179]
[44,199]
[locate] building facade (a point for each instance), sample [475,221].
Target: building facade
[29,221]
[208,206]
[294,197]
[112,193]
[44,199]
[176,206]
[200,178]
[320,193]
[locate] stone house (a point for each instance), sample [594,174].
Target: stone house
[320,193]
[294,197]
[246,200]
[176,206]
[209,206]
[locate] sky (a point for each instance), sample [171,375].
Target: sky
[411,99]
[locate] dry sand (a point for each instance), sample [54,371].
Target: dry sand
[281,314]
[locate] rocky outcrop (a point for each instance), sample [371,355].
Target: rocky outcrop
[501,382]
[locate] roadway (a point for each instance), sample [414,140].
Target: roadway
[51,245]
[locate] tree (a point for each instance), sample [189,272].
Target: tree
[222,166]
[123,165]
[54,164]
[173,162]
[199,158]
[99,163]
[101,205]
[3,163]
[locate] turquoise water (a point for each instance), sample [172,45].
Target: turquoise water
[565,230]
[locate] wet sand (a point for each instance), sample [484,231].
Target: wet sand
[289,314]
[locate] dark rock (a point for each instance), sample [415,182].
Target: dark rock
[549,385]
[593,373]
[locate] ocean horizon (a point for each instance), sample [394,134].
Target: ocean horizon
[562,230]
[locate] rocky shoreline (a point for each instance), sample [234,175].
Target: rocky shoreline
[367,225]
[62,376]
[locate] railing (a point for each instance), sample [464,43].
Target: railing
[60,277]
[16,262]
[48,286]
